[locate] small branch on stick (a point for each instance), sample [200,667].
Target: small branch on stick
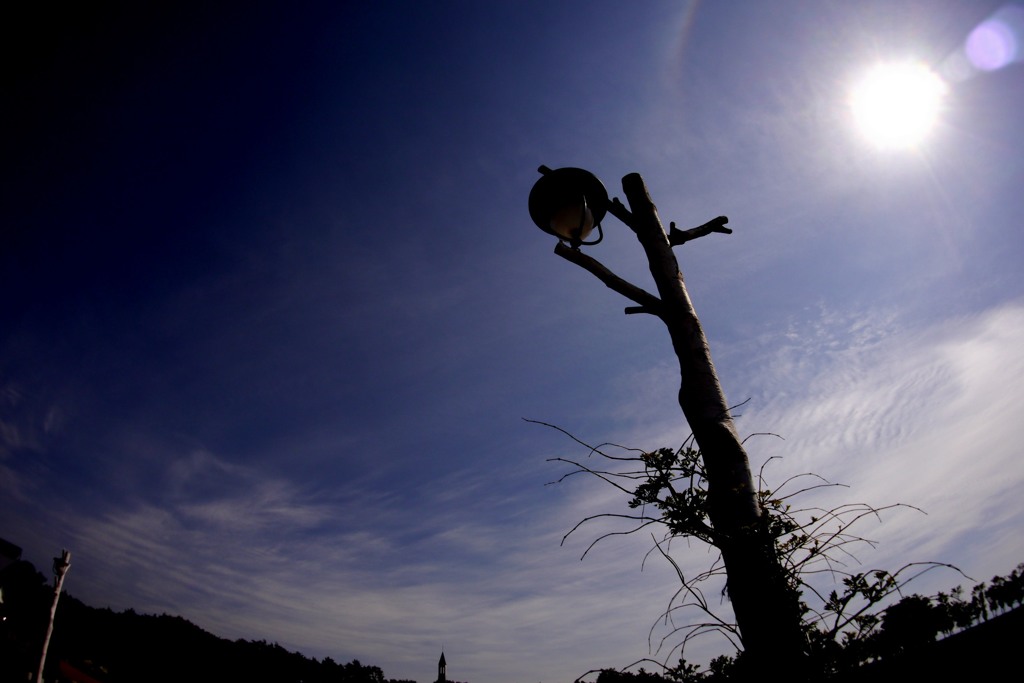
[677,237]
[619,210]
[632,310]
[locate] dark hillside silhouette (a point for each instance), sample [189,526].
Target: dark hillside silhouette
[125,647]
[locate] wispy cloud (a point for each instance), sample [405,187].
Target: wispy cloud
[926,416]
[921,415]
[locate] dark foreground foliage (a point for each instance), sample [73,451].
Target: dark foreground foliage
[125,647]
[916,635]
[985,651]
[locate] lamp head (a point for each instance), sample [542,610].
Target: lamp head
[569,203]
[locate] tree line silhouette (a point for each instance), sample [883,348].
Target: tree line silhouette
[902,643]
[125,647]
[900,632]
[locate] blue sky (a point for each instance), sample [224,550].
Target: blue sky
[273,308]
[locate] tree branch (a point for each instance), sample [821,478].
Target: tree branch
[677,236]
[648,302]
[619,210]
[632,310]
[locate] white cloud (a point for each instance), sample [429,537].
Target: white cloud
[927,417]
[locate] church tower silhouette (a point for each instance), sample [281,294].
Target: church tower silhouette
[442,669]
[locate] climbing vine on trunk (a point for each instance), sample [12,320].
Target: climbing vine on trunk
[666,492]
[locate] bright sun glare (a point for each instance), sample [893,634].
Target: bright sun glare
[895,105]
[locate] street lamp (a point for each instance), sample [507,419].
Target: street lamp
[564,202]
[569,203]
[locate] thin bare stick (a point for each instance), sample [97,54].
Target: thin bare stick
[677,236]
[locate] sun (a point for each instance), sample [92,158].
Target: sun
[896,105]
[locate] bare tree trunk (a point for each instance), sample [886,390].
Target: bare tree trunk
[766,607]
[60,568]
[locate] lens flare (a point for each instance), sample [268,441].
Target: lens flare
[895,105]
[991,46]
[995,43]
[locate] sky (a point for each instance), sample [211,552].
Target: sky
[273,310]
